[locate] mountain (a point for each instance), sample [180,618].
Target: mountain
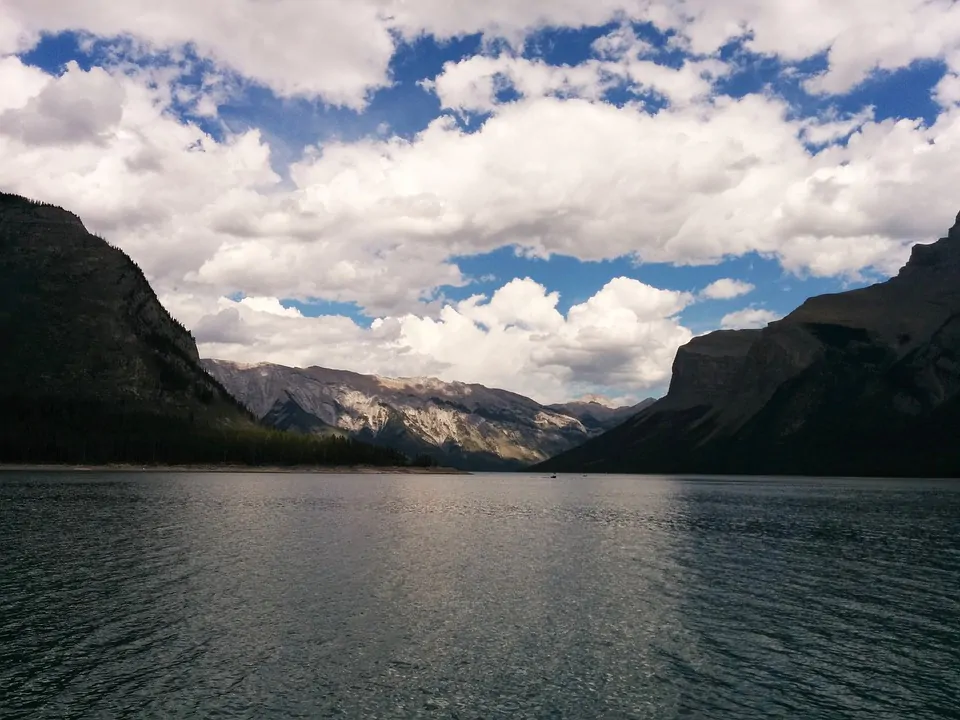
[599,417]
[458,424]
[859,383]
[94,369]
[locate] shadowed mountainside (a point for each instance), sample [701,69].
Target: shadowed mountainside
[859,383]
[94,369]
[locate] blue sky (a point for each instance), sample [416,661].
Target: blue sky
[439,67]
[406,108]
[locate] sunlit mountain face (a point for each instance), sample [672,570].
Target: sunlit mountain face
[544,197]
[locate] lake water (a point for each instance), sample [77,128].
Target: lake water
[485,596]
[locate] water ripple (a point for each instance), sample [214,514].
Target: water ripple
[282,596]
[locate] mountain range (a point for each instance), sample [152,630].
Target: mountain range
[460,425]
[94,369]
[864,382]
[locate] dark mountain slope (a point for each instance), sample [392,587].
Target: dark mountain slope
[865,382]
[94,369]
[80,321]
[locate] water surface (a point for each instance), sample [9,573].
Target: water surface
[485,596]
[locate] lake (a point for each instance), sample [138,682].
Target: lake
[483,596]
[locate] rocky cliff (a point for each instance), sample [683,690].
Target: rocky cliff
[706,369]
[865,382]
[458,424]
[94,369]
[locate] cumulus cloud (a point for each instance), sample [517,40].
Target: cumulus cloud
[377,221]
[858,37]
[380,221]
[509,19]
[474,84]
[947,91]
[295,48]
[828,128]
[63,113]
[690,184]
[195,213]
[726,289]
[748,318]
[21,83]
[340,50]
[624,336]
[226,327]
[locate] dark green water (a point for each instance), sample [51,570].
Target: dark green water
[278,596]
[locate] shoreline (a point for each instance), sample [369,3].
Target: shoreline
[250,469]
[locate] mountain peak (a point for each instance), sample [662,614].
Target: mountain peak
[93,303]
[596,400]
[90,343]
[19,209]
[936,257]
[863,382]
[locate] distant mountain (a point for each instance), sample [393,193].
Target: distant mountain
[458,424]
[94,369]
[597,416]
[865,383]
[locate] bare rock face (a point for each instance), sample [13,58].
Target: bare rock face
[865,382]
[708,367]
[458,424]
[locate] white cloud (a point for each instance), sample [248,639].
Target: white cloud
[691,184]
[270,306]
[823,130]
[858,36]
[63,114]
[620,44]
[221,226]
[726,289]
[447,18]
[21,83]
[624,336]
[472,84]
[947,91]
[340,49]
[376,221]
[748,318]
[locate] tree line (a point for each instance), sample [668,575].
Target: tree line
[45,430]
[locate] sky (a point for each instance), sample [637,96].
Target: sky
[549,196]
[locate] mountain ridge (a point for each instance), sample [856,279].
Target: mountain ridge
[864,382]
[464,425]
